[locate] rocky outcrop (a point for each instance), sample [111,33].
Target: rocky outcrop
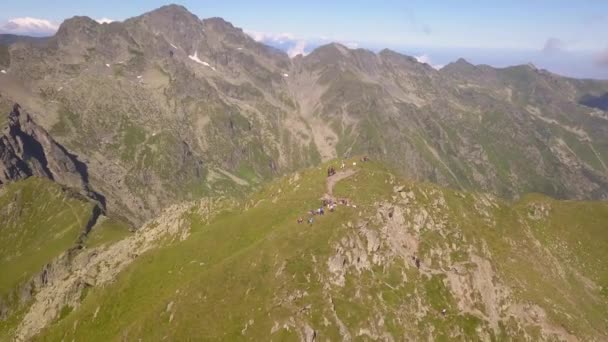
[27,149]
[11,166]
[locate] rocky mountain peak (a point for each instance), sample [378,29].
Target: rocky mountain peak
[172,18]
[221,25]
[224,31]
[388,53]
[76,27]
[460,67]
[334,47]
[462,61]
[27,149]
[174,23]
[171,10]
[328,54]
[396,57]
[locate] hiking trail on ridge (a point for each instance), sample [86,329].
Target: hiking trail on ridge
[332,180]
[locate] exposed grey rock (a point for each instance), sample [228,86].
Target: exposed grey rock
[310,335]
[26,149]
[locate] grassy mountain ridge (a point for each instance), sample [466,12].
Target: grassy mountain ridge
[42,222]
[28,243]
[531,269]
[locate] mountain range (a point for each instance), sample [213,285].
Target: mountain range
[165,107]
[135,130]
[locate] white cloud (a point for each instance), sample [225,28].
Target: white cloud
[553,45]
[424,58]
[104,20]
[257,36]
[294,45]
[297,49]
[285,41]
[29,26]
[272,37]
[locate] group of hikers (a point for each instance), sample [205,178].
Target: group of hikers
[326,204]
[329,204]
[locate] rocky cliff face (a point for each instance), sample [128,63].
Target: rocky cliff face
[166,107]
[26,149]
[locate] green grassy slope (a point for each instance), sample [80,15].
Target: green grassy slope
[39,221]
[531,270]
[105,232]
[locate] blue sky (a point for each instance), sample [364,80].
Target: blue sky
[567,37]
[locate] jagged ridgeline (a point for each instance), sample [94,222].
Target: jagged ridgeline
[154,172]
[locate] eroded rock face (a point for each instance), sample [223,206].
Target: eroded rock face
[11,166]
[27,149]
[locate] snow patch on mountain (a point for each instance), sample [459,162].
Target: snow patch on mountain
[198,60]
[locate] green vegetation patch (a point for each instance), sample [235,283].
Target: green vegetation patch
[39,222]
[106,232]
